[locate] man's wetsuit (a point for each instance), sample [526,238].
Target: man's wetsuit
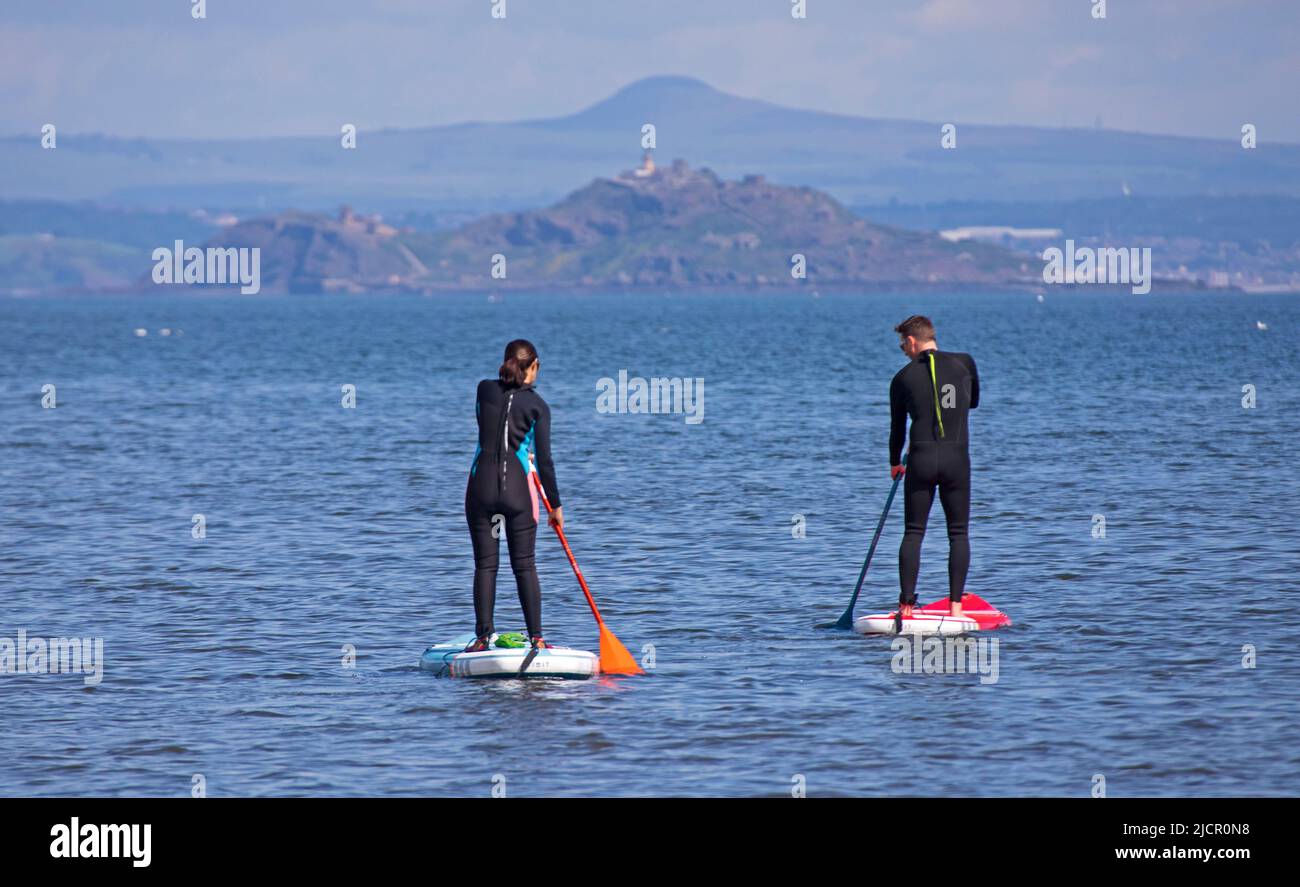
[937,389]
[510,420]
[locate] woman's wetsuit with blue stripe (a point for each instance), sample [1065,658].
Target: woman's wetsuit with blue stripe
[938,390]
[510,421]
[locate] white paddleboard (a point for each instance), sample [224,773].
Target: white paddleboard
[451,660]
[919,623]
[977,615]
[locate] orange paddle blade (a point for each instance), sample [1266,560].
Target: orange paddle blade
[614,657]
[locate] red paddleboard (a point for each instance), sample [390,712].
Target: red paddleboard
[977,614]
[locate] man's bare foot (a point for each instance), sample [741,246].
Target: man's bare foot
[954,608]
[904,611]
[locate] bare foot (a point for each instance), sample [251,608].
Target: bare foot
[904,611]
[954,608]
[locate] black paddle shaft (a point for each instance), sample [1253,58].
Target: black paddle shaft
[846,621]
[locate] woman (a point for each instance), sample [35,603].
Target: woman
[511,418]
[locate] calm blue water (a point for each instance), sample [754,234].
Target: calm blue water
[328,527]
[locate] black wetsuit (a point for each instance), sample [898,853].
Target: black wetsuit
[937,456]
[510,420]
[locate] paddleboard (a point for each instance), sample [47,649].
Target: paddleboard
[977,615]
[451,660]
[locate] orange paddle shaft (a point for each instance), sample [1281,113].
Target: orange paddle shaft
[577,571]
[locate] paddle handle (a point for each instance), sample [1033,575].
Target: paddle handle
[573,562]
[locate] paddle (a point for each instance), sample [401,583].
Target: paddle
[528,660]
[614,657]
[846,621]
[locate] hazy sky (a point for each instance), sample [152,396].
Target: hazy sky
[280,67]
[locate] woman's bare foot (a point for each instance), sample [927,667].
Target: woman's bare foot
[954,608]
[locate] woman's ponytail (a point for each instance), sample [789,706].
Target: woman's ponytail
[520,356]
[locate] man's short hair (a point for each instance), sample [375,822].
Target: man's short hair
[918,326]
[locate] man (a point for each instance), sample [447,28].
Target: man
[937,389]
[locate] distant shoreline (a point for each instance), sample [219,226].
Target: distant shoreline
[1159,287]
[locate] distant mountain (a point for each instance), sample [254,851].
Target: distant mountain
[312,253]
[481,167]
[42,263]
[674,227]
[47,246]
